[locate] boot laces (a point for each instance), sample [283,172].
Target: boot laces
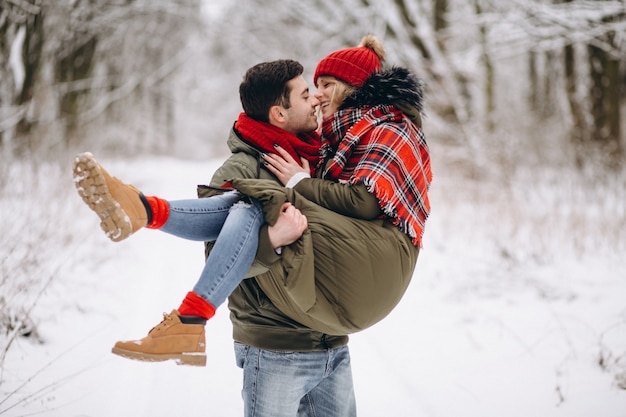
[167,317]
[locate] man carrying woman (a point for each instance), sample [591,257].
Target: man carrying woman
[365,205]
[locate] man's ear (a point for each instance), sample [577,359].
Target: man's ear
[277,115]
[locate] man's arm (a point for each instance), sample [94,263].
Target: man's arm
[270,237]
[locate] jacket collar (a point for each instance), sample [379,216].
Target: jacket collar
[392,86]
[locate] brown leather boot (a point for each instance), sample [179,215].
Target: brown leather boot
[119,206]
[171,339]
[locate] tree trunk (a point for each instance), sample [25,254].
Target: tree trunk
[17,78]
[440,9]
[533,75]
[572,80]
[76,66]
[490,105]
[605,102]
[548,100]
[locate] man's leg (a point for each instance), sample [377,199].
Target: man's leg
[274,383]
[334,395]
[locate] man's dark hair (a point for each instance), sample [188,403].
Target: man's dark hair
[265,85]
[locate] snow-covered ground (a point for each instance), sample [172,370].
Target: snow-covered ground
[483,331]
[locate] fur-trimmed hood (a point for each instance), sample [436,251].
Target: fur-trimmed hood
[394,86]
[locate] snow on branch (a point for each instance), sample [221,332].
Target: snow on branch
[8,121]
[25,7]
[134,82]
[541,26]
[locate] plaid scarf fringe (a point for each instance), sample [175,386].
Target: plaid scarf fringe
[382,149]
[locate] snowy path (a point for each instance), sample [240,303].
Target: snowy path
[471,337]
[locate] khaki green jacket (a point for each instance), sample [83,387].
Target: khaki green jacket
[342,276]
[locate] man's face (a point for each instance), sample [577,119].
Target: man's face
[301,116]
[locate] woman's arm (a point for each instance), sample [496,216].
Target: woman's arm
[349,200]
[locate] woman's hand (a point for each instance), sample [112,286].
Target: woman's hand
[284,166]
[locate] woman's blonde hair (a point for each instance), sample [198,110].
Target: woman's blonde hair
[341,91]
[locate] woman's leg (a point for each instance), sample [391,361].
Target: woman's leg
[123,210]
[180,336]
[233,252]
[199,219]
[230,220]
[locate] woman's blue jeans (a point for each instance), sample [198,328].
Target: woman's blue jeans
[296,384]
[233,222]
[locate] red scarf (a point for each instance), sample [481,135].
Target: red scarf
[264,136]
[381,148]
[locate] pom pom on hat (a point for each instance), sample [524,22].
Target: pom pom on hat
[353,65]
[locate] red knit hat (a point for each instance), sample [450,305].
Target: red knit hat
[353,65]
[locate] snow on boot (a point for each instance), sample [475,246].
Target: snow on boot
[120,206]
[171,339]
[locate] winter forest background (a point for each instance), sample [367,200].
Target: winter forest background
[525,117]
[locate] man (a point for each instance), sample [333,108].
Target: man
[288,368]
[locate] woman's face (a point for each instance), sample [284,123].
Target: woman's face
[325,87]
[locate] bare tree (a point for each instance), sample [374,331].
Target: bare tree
[106,64]
[20,45]
[80,59]
[569,35]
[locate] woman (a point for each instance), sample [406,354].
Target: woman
[376,163]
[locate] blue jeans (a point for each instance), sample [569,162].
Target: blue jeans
[296,384]
[234,224]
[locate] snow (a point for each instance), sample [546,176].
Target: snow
[15,59]
[484,330]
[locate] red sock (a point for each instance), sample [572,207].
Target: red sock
[160,212]
[194,305]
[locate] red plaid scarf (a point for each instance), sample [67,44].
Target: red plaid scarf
[381,148]
[264,136]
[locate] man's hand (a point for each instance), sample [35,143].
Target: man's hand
[289,226]
[284,166]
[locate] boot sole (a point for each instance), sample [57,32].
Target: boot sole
[185,358]
[92,188]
